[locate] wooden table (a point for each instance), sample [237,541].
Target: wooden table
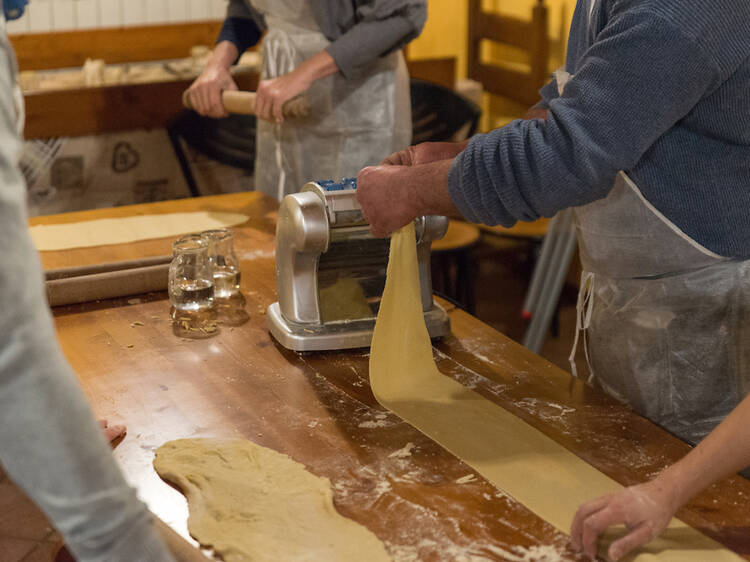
[316,407]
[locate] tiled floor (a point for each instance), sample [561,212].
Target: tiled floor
[504,271]
[25,533]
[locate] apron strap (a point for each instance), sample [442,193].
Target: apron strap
[584,309]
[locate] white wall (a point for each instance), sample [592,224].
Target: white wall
[58,15]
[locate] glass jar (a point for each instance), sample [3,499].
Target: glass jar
[191,285]
[224,263]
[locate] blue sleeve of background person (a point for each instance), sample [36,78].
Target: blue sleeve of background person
[243,26]
[640,77]
[242,32]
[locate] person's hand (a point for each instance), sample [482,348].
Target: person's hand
[425,153]
[112,433]
[275,92]
[392,196]
[645,510]
[385,198]
[205,92]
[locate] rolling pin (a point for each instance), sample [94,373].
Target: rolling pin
[243,103]
[107,281]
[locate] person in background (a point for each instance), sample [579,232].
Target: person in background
[647,509]
[50,444]
[345,58]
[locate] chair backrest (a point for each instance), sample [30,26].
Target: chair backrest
[230,141]
[530,36]
[440,114]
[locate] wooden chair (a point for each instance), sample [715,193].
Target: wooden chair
[503,78]
[520,83]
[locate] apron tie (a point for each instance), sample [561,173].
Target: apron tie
[280,55]
[279,163]
[584,309]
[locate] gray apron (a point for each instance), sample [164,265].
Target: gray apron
[353,122]
[667,321]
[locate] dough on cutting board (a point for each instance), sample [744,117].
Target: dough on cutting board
[102,232]
[249,502]
[517,458]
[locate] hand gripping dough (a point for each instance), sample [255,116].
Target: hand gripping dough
[515,457]
[250,503]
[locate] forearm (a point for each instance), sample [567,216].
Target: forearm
[725,451]
[318,66]
[223,56]
[392,196]
[429,187]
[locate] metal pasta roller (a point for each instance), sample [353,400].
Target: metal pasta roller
[330,271]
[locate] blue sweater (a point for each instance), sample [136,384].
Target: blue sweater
[661,89]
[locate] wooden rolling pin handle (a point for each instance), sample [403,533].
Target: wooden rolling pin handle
[234,101]
[243,103]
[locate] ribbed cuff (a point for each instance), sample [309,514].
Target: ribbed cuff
[472,190]
[455,189]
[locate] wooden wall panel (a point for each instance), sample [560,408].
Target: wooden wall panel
[39,51]
[88,111]
[64,15]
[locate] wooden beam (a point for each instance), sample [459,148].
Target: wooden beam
[505,29]
[105,109]
[65,49]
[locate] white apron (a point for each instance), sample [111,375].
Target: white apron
[352,124]
[667,320]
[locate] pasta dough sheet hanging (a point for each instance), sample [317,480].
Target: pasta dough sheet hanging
[518,459]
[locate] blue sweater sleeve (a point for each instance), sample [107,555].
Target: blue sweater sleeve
[639,78]
[242,32]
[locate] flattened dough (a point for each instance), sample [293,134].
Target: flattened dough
[103,232]
[248,502]
[515,457]
[344,300]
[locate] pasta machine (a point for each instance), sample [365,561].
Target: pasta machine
[330,271]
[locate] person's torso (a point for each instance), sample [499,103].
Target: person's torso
[698,173]
[332,17]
